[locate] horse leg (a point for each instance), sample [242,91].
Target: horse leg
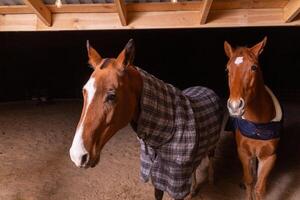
[200,176]
[245,159]
[158,194]
[194,185]
[265,166]
[211,171]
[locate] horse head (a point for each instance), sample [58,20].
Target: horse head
[244,75]
[110,100]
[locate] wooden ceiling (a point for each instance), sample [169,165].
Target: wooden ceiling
[38,15]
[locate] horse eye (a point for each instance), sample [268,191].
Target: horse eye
[254,67]
[111,96]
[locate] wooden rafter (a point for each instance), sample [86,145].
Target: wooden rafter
[205,10]
[122,11]
[40,10]
[153,15]
[291,10]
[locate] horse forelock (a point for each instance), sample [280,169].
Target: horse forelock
[90,89]
[105,63]
[243,55]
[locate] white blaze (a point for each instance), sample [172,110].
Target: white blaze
[77,149]
[239,60]
[90,89]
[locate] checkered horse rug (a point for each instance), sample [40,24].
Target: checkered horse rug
[176,129]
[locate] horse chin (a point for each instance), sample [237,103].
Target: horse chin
[93,163]
[237,114]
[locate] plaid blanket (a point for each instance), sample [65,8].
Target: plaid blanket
[176,130]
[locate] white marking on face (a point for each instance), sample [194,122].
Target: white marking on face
[90,90]
[77,149]
[239,60]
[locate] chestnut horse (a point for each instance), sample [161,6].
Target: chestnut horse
[111,101]
[257,116]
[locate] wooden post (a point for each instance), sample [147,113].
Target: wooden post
[291,10]
[205,10]
[40,10]
[122,11]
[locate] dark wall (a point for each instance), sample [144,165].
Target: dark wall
[56,62]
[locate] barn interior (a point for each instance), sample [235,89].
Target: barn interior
[43,66]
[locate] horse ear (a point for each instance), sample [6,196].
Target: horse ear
[228,49]
[258,48]
[94,57]
[126,57]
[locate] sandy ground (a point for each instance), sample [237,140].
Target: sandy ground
[35,164]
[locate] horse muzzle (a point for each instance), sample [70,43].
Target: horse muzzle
[84,161]
[79,158]
[236,108]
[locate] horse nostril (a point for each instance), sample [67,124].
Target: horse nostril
[84,159]
[229,104]
[242,103]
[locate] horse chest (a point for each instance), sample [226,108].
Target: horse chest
[256,148]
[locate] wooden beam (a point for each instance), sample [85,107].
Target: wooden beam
[205,10]
[144,7]
[122,11]
[107,7]
[247,4]
[17,9]
[291,10]
[83,8]
[65,8]
[164,6]
[147,20]
[40,10]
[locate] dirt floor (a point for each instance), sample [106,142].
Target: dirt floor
[35,163]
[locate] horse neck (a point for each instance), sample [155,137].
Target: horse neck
[261,108]
[136,85]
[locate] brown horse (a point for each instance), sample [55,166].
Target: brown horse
[112,100]
[257,115]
